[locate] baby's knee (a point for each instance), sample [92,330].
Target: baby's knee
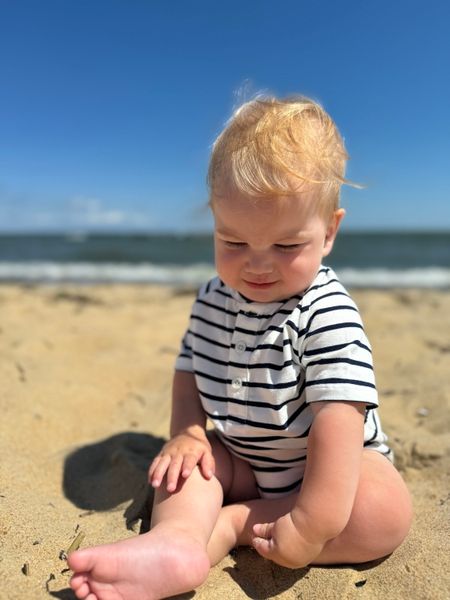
[400,516]
[382,513]
[388,515]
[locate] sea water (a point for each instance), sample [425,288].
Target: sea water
[361,259]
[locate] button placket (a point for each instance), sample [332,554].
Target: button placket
[236,383]
[239,355]
[240,347]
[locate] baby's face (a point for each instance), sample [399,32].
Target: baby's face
[271,249]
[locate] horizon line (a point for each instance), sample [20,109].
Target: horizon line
[209,232]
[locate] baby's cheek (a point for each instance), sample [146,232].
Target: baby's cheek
[295,264]
[227,264]
[302,269]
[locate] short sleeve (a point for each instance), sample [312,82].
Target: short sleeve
[184,358]
[184,361]
[336,354]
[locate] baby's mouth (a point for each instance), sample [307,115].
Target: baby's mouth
[259,284]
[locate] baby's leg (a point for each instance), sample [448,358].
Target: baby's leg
[234,526]
[244,508]
[379,521]
[171,558]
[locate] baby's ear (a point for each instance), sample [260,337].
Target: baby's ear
[332,229]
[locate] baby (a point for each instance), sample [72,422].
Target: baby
[276,359]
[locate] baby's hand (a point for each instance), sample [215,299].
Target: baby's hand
[283,543]
[178,457]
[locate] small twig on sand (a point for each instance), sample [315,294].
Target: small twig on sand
[76,543]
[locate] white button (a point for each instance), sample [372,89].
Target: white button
[241,347]
[236,384]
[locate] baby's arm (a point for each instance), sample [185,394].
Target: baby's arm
[324,503]
[189,444]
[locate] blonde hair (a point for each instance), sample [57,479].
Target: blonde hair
[274,147]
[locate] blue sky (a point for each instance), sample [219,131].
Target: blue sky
[108,108]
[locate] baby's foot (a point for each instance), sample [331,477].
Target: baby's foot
[151,566]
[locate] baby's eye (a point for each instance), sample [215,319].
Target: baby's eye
[229,244]
[288,247]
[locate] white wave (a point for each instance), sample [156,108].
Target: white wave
[427,277]
[196,274]
[51,272]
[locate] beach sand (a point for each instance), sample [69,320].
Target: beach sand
[84,405]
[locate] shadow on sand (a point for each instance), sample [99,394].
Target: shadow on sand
[108,473]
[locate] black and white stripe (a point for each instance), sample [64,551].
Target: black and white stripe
[259,366]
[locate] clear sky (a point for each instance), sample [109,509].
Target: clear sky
[108,108]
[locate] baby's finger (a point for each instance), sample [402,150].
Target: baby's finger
[264,547]
[189,462]
[263,530]
[207,465]
[159,470]
[173,473]
[153,466]
[263,541]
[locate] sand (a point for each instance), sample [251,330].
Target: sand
[84,401]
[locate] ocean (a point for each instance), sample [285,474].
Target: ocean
[367,260]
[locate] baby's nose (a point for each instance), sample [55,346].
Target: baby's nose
[259,264]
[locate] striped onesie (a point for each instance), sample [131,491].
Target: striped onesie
[258,366]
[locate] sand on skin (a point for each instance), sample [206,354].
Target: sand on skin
[84,403]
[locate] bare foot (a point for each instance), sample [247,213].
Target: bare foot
[151,566]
